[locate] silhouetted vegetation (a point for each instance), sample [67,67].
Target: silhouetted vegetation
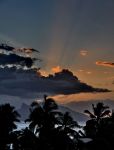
[8,117]
[50,129]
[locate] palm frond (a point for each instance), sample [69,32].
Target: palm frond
[105,113]
[90,114]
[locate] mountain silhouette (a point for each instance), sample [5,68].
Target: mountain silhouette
[24,112]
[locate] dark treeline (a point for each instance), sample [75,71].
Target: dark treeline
[49,129]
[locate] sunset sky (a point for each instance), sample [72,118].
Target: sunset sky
[73,34]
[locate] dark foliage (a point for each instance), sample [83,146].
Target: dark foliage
[8,117]
[50,129]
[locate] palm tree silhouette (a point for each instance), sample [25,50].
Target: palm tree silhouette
[67,134]
[94,125]
[43,116]
[27,140]
[99,111]
[67,124]
[8,117]
[43,119]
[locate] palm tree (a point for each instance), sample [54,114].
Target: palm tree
[8,117]
[27,140]
[43,116]
[43,120]
[97,118]
[67,135]
[67,123]
[99,111]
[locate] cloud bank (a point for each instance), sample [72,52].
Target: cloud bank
[30,84]
[17,81]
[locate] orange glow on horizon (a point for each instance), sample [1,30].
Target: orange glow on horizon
[56,69]
[83,97]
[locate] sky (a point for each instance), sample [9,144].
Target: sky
[74,34]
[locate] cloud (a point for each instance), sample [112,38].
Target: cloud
[29,84]
[13,49]
[42,73]
[56,69]
[17,81]
[26,50]
[20,57]
[13,59]
[81,70]
[84,71]
[105,64]
[83,52]
[6,47]
[89,72]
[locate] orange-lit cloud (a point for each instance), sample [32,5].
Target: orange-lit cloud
[56,69]
[42,73]
[104,63]
[82,97]
[83,52]
[81,70]
[89,72]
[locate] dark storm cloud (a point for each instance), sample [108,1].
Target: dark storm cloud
[6,47]
[13,59]
[30,84]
